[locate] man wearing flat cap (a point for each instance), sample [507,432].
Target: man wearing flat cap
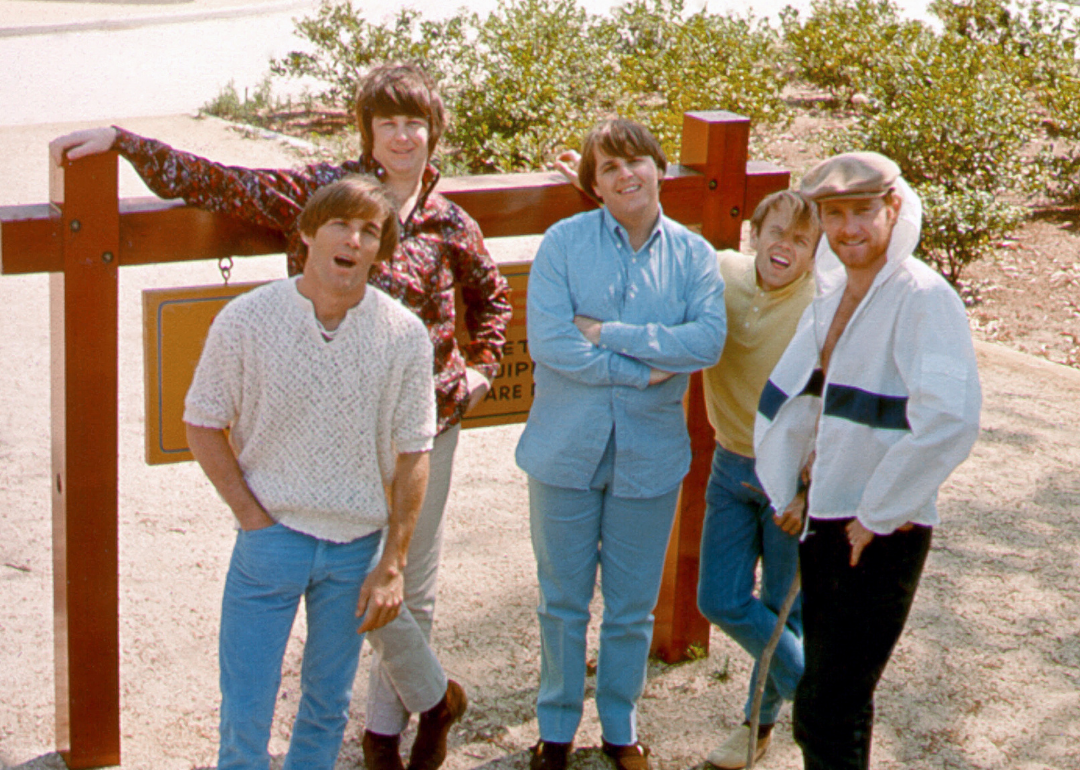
[871,407]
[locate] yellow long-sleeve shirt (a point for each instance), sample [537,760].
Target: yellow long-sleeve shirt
[760,325]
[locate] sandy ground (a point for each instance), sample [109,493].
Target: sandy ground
[987,675]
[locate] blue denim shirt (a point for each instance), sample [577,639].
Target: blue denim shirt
[661,307]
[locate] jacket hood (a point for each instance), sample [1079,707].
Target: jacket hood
[829,270]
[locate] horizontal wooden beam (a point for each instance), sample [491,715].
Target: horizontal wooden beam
[153,230]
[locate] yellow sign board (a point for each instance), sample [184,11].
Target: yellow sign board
[511,392]
[175,324]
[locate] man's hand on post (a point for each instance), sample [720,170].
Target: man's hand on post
[79,144]
[567,164]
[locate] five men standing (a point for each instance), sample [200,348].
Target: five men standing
[325,385]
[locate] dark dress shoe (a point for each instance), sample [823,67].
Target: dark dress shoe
[548,755]
[429,748]
[634,756]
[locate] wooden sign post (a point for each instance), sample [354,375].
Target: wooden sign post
[87,234]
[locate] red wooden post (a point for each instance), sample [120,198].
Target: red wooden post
[84,449]
[715,145]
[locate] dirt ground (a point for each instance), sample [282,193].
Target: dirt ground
[986,676]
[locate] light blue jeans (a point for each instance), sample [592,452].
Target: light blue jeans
[573,532]
[739,530]
[271,569]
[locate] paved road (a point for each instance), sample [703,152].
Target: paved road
[102,62]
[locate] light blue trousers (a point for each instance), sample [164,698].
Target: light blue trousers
[574,531]
[271,569]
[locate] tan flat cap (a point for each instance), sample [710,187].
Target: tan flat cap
[850,175]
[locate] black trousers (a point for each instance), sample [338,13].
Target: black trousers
[852,618]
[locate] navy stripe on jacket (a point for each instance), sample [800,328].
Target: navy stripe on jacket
[772,398]
[866,408]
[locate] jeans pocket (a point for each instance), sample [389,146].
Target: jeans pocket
[259,553]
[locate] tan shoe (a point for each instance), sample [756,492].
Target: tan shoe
[731,754]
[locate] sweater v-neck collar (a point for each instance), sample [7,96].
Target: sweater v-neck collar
[324,335]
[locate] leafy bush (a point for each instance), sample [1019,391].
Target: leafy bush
[345,46]
[958,109]
[250,108]
[669,65]
[534,77]
[1034,40]
[1060,160]
[961,226]
[947,117]
[839,45]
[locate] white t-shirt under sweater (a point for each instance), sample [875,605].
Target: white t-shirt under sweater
[316,425]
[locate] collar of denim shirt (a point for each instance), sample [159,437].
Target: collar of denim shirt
[618,232]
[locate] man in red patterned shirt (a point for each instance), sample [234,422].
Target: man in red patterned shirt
[401,118]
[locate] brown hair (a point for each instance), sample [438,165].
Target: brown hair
[800,210]
[398,89]
[352,197]
[619,138]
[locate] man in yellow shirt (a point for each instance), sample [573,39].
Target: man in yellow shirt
[765,295]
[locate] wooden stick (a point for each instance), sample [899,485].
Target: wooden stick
[763,665]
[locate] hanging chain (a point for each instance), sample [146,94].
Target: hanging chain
[225,265]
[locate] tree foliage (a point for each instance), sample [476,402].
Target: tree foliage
[670,63]
[841,42]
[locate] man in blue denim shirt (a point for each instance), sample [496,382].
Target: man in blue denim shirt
[623,304]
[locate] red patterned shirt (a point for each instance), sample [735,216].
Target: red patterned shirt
[441,248]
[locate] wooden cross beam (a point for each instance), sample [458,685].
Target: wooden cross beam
[86,234]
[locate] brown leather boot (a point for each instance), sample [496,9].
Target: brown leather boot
[634,756]
[429,748]
[381,751]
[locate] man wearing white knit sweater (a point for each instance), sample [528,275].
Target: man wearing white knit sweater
[324,384]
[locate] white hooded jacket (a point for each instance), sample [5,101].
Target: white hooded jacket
[899,409]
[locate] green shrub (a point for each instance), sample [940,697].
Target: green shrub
[1060,159]
[946,117]
[249,108]
[1035,40]
[669,65]
[529,78]
[962,226]
[535,76]
[841,43]
[1036,43]
[345,46]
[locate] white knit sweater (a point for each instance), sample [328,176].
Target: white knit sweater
[316,425]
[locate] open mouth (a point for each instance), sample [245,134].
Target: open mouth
[779,262]
[346,262]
